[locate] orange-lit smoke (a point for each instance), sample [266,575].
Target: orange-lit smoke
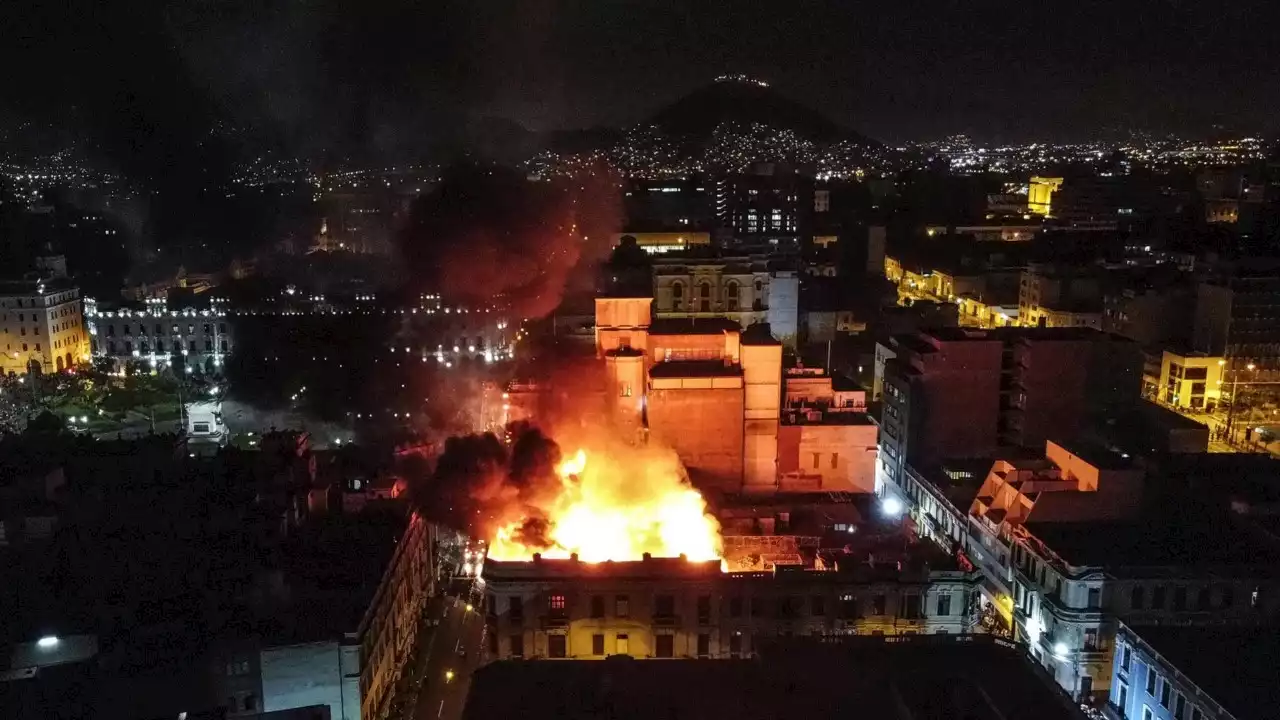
[615,504]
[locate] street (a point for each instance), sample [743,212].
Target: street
[454,654]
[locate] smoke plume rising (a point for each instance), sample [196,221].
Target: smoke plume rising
[487,236]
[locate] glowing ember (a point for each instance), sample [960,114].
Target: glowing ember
[606,512]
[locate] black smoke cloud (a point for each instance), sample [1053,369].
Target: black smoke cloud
[480,484]
[488,236]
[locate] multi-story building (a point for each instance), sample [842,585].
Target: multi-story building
[826,442]
[157,334]
[1189,381]
[1051,298]
[349,654]
[671,607]
[1238,318]
[1065,549]
[1073,580]
[1162,672]
[769,205]
[42,326]
[957,392]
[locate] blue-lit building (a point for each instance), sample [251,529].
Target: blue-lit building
[1169,672]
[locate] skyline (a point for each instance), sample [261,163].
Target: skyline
[382,77]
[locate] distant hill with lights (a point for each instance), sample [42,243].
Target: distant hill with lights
[723,126]
[742,101]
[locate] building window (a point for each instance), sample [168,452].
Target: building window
[731,297]
[597,644]
[944,604]
[665,645]
[1166,691]
[556,602]
[622,644]
[1157,597]
[704,645]
[250,702]
[911,606]
[735,645]
[735,607]
[597,607]
[1146,713]
[1095,598]
[516,609]
[1180,707]
[557,646]
[517,646]
[1136,597]
[818,606]
[704,609]
[677,292]
[664,606]
[817,460]
[835,460]
[878,605]
[1122,698]
[1151,680]
[621,606]
[1126,658]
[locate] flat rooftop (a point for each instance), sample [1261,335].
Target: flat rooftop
[649,568]
[1246,685]
[695,369]
[929,677]
[1212,541]
[693,326]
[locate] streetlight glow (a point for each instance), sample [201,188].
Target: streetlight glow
[48,641]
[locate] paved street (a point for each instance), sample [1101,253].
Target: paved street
[455,648]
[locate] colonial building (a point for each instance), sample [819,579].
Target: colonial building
[42,326]
[746,289]
[1185,673]
[673,608]
[158,335]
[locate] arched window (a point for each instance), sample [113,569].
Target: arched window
[704,290]
[731,296]
[677,294]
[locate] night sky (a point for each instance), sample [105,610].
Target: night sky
[344,75]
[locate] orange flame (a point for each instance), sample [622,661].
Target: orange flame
[619,511]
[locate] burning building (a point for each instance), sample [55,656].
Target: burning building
[679,608]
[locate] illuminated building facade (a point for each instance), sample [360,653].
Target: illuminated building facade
[673,608]
[157,334]
[745,289]
[658,243]
[1040,194]
[42,326]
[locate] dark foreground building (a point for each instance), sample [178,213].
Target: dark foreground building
[975,677]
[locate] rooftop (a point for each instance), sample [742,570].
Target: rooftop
[928,676]
[1245,686]
[694,368]
[1193,538]
[650,567]
[693,326]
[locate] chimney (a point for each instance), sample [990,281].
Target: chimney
[573,557]
[647,557]
[537,557]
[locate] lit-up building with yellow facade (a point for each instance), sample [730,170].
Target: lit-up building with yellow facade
[657,243]
[1040,195]
[1190,381]
[42,327]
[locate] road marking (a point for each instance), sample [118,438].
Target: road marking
[440,712]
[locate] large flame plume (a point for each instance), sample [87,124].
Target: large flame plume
[610,508]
